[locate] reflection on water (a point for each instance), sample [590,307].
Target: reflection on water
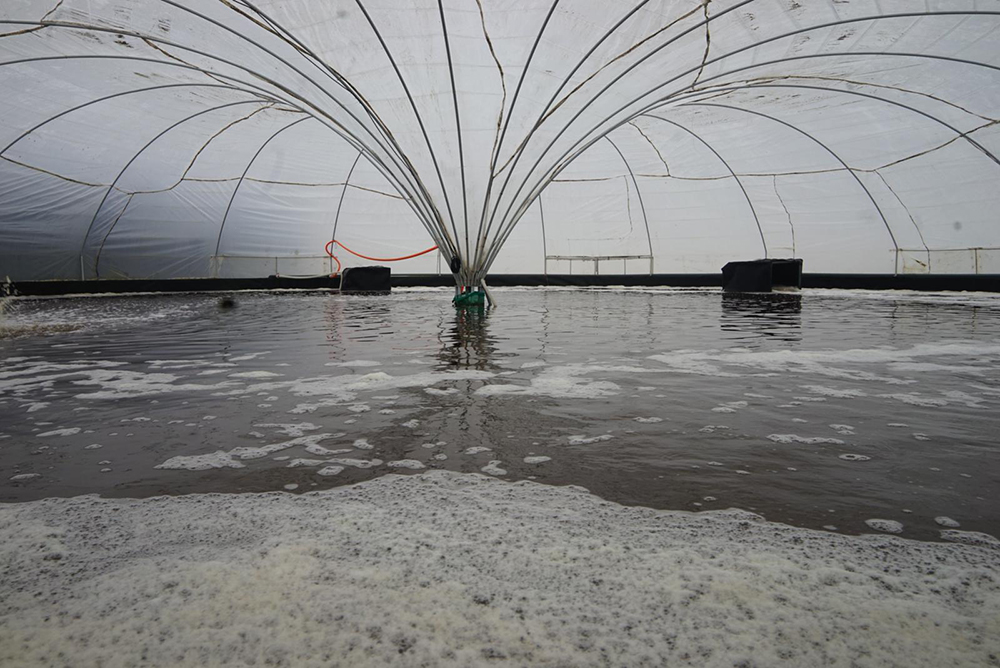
[823,408]
[466,343]
[775,314]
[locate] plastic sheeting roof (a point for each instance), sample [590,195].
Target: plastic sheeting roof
[168,138]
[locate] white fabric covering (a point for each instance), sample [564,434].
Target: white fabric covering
[146,138]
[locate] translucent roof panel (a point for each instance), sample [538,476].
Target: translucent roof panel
[185,138]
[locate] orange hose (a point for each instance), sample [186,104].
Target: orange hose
[329,251]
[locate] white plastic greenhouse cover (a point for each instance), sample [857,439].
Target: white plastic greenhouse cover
[230,138]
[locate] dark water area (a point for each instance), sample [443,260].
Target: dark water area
[819,409]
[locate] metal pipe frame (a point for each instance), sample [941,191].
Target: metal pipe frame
[225,217]
[743,189]
[545,178]
[638,192]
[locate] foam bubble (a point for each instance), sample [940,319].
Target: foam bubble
[21,477]
[330,470]
[538,459]
[406,464]
[855,458]
[808,440]
[947,522]
[885,526]
[493,468]
[67,431]
[476,449]
[648,420]
[584,440]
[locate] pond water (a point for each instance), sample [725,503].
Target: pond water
[821,409]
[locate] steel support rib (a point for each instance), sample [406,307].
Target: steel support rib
[638,192]
[330,124]
[222,227]
[560,165]
[277,85]
[122,94]
[684,33]
[746,196]
[481,237]
[408,171]
[692,70]
[878,209]
[343,193]
[420,122]
[962,135]
[458,133]
[128,164]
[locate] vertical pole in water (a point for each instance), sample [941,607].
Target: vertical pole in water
[83,276]
[489,295]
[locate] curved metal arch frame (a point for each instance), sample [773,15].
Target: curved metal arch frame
[746,195]
[343,193]
[122,94]
[960,134]
[684,33]
[559,165]
[545,178]
[836,156]
[406,172]
[481,238]
[107,193]
[232,198]
[328,123]
[458,133]
[409,171]
[638,192]
[420,123]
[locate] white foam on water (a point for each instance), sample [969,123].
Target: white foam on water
[831,363]
[93,446]
[302,462]
[921,437]
[970,538]
[386,411]
[406,464]
[330,470]
[440,393]
[22,477]
[255,374]
[538,459]
[947,522]
[355,363]
[585,440]
[855,458]
[411,424]
[476,449]
[440,457]
[885,526]
[249,356]
[37,406]
[808,440]
[362,444]
[213,460]
[290,486]
[356,463]
[348,575]
[66,431]
[493,468]
[897,424]
[564,382]
[648,420]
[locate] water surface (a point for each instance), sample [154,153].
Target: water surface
[819,409]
